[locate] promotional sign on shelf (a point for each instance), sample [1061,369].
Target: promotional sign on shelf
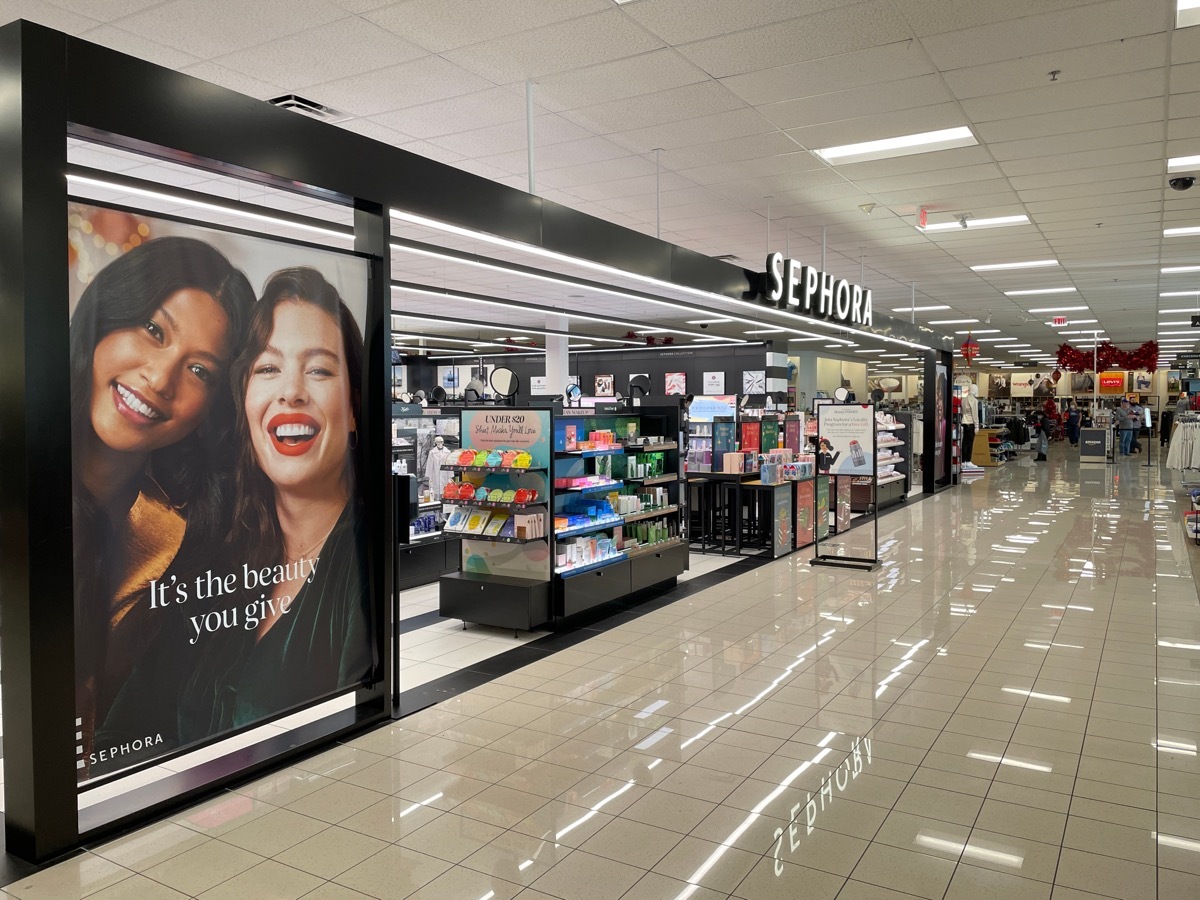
[539,385]
[714,383]
[846,439]
[233,392]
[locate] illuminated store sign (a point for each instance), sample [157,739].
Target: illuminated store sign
[800,288]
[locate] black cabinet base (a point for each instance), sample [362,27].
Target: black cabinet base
[422,563]
[518,603]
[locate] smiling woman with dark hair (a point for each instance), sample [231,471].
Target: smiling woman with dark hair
[151,343]
[298,389]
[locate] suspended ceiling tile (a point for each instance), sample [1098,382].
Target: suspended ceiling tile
[139,46]
[600,37]
[702,130]
[671,105]
[1088,160]
[466,112]
[1066,96]
[210,29]
[1092,23]
[922,90]
[1091,118]
[1137,189]
[799,161]
[631,187]
[1089,176]
[730,150]
[1075,65]
[828,33]
[917,163]
[1065,144]
[421,80]
[657,70]
[681,21]
[510,136]
[845,71]
[929,17]
[919,180]
[235,81]
[439,26]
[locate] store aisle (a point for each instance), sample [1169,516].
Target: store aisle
[1008,707]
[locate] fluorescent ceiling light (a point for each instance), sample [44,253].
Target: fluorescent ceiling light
[1183,163]
[764,331]
[905,145]
[1192,333]
[1059,290]
[201,204]
[996,267]
[1179,293]
[979,331]
[990,340]
[708,321]
[579,346]
[870,351]
[702,339]
[1181,232]
[1054,309]
[1179,270]
[1187,12]
[1171,322]
[976,224]
[910,309]
[1186,309]
[952,321]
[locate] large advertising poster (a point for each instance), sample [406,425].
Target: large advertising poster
[846,439]
[940,419]
[219,549]
[1034,384]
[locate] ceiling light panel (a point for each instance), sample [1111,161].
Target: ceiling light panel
[912,309]
[999,267]
[1038,291]
[1054,309]
[952,321]
[977,224]
[905,145]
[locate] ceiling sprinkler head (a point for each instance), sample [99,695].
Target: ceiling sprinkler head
[962,220]
[867,208]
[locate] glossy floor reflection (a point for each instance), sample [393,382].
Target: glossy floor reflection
[1007,708]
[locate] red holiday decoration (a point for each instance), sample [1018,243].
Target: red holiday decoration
[1056,376]
[1108,357]
[969,350]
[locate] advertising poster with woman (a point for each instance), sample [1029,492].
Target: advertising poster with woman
[219,555]
[940,421]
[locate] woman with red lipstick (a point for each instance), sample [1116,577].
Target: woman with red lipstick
[151,340]
[298,387]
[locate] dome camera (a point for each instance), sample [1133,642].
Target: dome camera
[703,324]
[1181,182]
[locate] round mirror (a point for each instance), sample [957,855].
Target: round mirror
[474,389]
[841,395]
[505,381]
[438,394]
[639,385]
[406,397]
[573,392]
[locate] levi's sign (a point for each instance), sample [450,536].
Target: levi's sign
[807,289]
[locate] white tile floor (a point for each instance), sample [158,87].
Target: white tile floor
[1006,709]
[445,647]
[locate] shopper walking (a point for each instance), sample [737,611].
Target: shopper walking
[1042,422]
[1138,415]
[1074,417]
[1127,423]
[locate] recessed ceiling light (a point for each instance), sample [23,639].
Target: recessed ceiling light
[976,224]
[1180,293]
[708,321]
[1187,12]
[1058,290]
[996,267]
[909,309]
[1181,232]
[952,321]
[1182,163]
[1053,309]
[905,145]
[979,331]
[1178,270]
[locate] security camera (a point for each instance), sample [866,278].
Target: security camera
[1181,183]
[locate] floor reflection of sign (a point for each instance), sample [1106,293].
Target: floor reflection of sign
[843,503]
[822,517]
[782,530]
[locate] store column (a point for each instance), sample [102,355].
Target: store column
[558,368]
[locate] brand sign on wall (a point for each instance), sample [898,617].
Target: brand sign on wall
[800,288]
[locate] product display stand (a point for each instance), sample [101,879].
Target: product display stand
[893,460]
[423,552]
[503,519]
[618,505]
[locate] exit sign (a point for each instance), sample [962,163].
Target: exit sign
[1062,320]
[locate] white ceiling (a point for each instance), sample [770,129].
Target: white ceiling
[736,95]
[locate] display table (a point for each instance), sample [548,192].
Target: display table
[981,450]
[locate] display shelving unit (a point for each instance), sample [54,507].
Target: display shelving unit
[613,554]
[503,578]
[891,487]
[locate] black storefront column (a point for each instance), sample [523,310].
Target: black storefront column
[37,638]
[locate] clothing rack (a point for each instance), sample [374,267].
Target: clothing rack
[1184,451]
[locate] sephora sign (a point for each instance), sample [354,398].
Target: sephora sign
[793,286]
